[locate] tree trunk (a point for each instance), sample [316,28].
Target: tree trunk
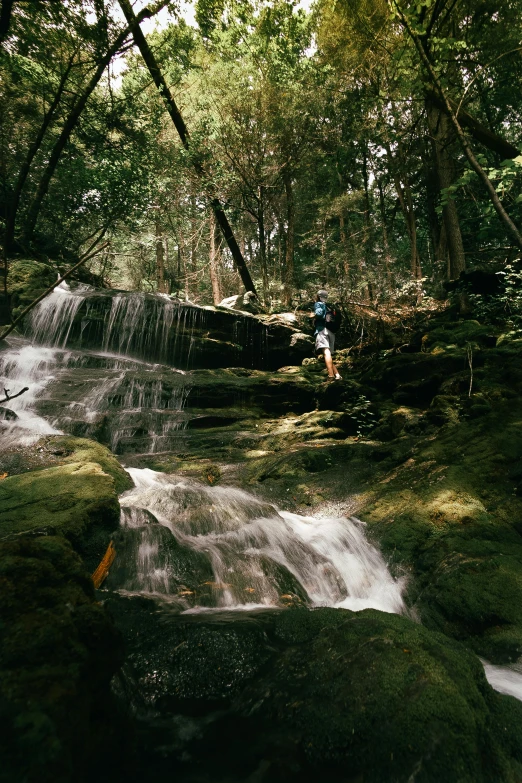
[214,260]
[31,152]
[406,203]
[262,243]
[288,278]
[420,45]
[5,18]
[160,258]
[385,242]
[443,135]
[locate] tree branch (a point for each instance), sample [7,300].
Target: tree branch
[69,272]
[179,124]
[475,165]
[13,396]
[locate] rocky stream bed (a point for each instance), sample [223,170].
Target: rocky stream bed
[167,672]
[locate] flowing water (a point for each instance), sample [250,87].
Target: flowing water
[254,553]
[92,369]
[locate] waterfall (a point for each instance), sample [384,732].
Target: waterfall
[31,367]
[50,322]
[150,327]
[249,553]
[505,679]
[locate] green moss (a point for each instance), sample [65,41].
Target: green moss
[27,280]
[449,514]
[460,333]
[379,696]
[84,450]
[77,500]
[58,652]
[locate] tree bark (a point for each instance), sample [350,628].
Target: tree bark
[179,124]
[160,258]
[214,261]
[262,243]
[442,135]
[5,18]
[385,242]
[288,281]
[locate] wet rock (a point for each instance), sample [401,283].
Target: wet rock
[326,693]
[58,652]
[76,499]
[187,664]
[6,414]
[177,571]
[55,450]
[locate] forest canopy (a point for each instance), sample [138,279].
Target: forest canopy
[374,146]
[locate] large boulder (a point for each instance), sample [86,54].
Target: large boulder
[76,497]
[58,653]
[302,695]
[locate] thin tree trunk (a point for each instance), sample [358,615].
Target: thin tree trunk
[262,243]
[385,242]
[288,280]
[160,258]
[31,152]
[406,203]
[442,133]
[214,261]
[179,124]
[168,278]
[5,18]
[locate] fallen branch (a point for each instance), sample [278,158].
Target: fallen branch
[102,572]
[13,396]
[69,272]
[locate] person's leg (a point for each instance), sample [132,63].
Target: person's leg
[332,371]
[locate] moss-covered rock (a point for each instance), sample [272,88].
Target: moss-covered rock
[27,280]
[450,513]
[325,694]
[77,498]
[375,696]
[461,333]
[58,652]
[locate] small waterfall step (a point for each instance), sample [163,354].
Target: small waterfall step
[214,548]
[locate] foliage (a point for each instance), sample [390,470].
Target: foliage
[317,129]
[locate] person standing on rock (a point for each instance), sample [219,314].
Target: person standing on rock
[324,337]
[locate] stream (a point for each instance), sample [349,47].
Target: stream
[198,549]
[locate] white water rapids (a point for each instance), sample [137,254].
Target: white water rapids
[255,554]
[253,548]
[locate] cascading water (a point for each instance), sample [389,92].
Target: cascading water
[150,327]
[200,548]
[26,366]
[246,552]
[129,403]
